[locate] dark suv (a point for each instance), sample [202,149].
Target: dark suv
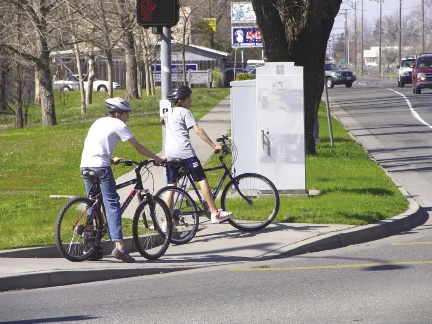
[336,75]
[422,73]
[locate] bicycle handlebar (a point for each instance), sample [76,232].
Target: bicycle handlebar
[225,148]
[132,162]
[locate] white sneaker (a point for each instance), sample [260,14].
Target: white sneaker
[164,227]
[220,217]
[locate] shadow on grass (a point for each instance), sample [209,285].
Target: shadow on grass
[362,191]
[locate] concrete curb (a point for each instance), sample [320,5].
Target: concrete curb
[71,277]
[411,218]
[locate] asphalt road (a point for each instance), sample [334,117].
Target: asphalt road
[396,124]
[384,281]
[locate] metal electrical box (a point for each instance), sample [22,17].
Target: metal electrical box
[267,125]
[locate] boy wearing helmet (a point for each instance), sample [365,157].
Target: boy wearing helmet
[102,138]
[178,121]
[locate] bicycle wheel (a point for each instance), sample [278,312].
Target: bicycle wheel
[254,205]
[77,233]
[184,214]
[152,228]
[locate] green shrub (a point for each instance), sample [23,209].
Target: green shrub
[244,76]
[218,78]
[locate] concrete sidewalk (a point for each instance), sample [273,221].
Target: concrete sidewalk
[213,245]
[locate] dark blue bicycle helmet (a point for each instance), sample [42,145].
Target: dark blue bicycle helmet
[179,93]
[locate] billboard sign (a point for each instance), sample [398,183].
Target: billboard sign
[246,37]
[242,13]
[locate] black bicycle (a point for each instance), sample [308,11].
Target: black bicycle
[252,198]
[81,223]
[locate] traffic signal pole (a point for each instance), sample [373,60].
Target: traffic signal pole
[165,56]
[162,14]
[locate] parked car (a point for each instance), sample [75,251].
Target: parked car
[251,69]
[336,75]
[422,73]
[72,83]
[405,71]
[69,84]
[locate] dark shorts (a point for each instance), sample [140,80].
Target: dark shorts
[194,166]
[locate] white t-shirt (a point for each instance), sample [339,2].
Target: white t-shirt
[102,138]
[178,121]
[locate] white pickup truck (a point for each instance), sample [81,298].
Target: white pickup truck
[72,83]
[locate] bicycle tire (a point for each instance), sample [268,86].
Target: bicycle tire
[76,239]
[150,235]
[261,210]
[184,214]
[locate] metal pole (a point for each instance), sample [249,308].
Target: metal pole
[400,31]
[328,112]
[166,61]
[423,29]
[380,40]
[346,38]
[166,80]
[362,58]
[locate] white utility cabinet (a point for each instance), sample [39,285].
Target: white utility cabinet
[267,125]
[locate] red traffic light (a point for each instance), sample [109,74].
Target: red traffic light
[154,13]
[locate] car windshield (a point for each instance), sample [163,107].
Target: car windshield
[425,63]
[407,63]
[329,67]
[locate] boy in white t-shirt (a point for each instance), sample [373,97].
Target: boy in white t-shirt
[102,138]
[178,121]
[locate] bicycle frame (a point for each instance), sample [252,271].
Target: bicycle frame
[137,188]
[188,179]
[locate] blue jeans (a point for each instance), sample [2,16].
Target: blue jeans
[111,200]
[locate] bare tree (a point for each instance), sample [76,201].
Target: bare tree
[148,49]
[297,31]
[192,13]
[36,29]
[40,27]
[126,14]
[3,73]
[97,30]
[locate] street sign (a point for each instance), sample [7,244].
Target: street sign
[176,71]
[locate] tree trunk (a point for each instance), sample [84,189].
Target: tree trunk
[91,75]
[37,99]
[298,32]
[131,67]
[44,72]
[149,82]
[109,55]
[130,55]
[81,88]
[47,98]
[17,89]
[2,89]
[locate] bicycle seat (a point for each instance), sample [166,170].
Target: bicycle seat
[179,166]
[90,174]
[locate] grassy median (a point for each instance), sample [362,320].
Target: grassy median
[41,161]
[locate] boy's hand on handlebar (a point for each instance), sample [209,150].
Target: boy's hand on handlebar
[160,161]
[116,160]
[217,149]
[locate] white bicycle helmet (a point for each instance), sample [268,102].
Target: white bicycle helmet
[113,105]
